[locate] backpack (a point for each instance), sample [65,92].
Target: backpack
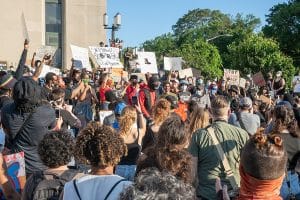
[49,186]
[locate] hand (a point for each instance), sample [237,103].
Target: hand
[46,57]
[34,54]
[26,44]
[138,108]
[221,191]
[59,122]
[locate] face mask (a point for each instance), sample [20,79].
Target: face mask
[184,87]
[199,92]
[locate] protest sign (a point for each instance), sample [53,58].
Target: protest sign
[43,50]
[103,114]
[107,57]
[242,83]
[232,76]
[258,79]
[46,69]
[81,57]
[184,73]
[147,62]
[296,84]
[117,74]
[173,63]
[16,170]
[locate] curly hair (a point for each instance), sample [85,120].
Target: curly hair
[56,149]
[127,119]
[100,145]
[161,111]
[199,119]
[152,183]
[262,153]
[168,153]
[285,119]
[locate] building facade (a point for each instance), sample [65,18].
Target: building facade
[57,23]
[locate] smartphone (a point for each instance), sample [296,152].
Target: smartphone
[134,100]
[57,113]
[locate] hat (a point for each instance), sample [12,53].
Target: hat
[119,108]
[133,77]
[153,79]
[7,82]
[279,73]
[246,102]
[173,101]
[234,88]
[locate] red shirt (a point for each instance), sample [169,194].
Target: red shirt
[130,92]
[102,92]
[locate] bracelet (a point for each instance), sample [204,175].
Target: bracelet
[139,113]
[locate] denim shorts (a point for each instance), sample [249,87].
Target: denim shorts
[126,171]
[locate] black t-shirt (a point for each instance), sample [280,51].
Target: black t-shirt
[45,93]
[4,100]
[40,123]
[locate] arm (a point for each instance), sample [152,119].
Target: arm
[20,69]
[141,123]
[77,90]
[32,60]
[8,190]
[83,94]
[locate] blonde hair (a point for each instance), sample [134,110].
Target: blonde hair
[127,119]
[161,111]
[199,119]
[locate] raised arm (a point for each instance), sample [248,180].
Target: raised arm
[21,65]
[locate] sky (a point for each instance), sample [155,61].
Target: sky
[145,19]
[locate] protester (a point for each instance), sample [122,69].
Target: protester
[51,83]
[279,84]
[154,184]
[161,112]
[55,150]
[296,85]
[103,148]
[245,118]
[262,167]
[231,138]
[199,119]
[132,89]
[102,90]
[26,121]
[168,152]
[7,83]
[148,97]
[132,130]
[167,90]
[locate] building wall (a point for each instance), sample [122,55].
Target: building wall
[82,26]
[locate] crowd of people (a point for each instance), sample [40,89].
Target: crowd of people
[164,137]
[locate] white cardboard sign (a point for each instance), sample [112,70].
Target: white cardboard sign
[173,63]
[107,57]
[46,69]
[81,57]
[147,62]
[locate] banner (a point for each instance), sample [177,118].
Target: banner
[147,62]
[185,73]
[173,63]
[46,69]
[258,79]
[117,74]
[81,57]
[232,76]
[16,170]
[107,57]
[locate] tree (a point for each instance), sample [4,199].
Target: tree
[284,26]
[203,56]
[257,53]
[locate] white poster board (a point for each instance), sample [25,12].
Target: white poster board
[173,63]
[242,83]
[81,57]
[43,50]
[185,73]
[107,57]
[147,62]
[232,76]
[46,69]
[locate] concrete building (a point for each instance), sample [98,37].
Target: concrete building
[56,23]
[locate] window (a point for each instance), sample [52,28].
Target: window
[53,19]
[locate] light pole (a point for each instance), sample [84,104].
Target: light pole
[115,26]
[223,35]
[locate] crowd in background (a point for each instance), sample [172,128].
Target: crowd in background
[160,140]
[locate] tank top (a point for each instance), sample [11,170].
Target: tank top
[134,150]
[277,85]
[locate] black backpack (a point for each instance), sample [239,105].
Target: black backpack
[50,187]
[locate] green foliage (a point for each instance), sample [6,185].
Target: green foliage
[284,26]
[257,53]
[203,56]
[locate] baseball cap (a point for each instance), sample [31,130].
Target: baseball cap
[246,102]
[7,82]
